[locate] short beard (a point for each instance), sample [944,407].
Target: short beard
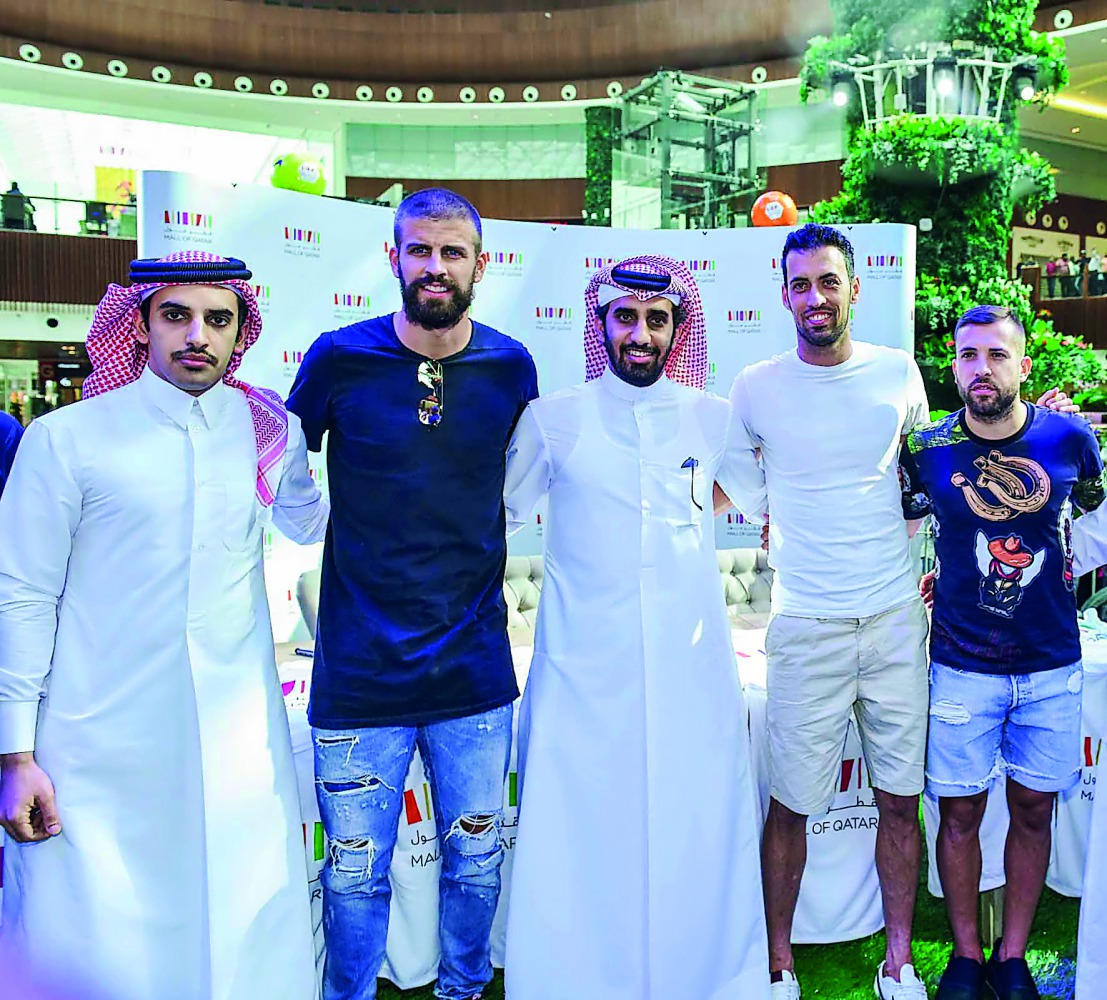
[637,375]
[436,314]
[993,412]
[828,339]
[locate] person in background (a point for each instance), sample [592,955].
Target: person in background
[11,430]
[146,772]
[1000,478]
[411,643]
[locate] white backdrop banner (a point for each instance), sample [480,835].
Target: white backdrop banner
[321,263]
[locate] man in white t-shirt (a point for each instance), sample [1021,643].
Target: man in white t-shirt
[848,633]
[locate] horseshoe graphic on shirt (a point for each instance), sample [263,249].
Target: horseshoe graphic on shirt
[1020,485]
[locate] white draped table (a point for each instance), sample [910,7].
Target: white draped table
[839,896]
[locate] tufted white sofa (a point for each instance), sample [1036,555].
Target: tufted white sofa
[746,575]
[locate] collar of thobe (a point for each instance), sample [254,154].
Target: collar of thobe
[179,405]
[660,389]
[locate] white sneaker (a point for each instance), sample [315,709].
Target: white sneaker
[909,987]
[787,989]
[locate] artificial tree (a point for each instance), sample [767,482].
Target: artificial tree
[964,175]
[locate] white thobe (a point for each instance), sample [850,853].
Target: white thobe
[1089,545]
[136,660]
[636,872]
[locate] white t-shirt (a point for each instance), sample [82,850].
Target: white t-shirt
[829,440]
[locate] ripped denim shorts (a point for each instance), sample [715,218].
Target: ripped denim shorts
[1025,725]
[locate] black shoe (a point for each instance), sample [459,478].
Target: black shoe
[1011,980]
[963,980]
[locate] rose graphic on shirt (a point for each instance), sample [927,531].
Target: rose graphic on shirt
[1007,568]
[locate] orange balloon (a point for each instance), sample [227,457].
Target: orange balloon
[774,208]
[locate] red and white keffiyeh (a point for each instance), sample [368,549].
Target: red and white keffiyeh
[687,361]
[118,358]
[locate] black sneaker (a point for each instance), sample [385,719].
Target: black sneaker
[963,980]
[1011,980]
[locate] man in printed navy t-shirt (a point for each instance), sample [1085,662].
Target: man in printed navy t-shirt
[1000,478]
[411,643]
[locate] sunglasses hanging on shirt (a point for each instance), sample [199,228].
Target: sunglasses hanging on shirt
[431,407]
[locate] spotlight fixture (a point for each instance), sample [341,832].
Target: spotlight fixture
[394,95]
[530,94]
[72,60]
[320,90]
[759,75]
[30,53]
[568,92]
[117,67]
[945,75]
[364,93]
[614,88]
[841,88]
[243,84]
[424,95]
[161,74]
[1026,75]
[202,80]
[496,95]
[467,95]
[278,88]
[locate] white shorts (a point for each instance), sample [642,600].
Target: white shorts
[821,670]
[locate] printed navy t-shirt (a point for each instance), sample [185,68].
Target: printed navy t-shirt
[1004,595]
[412,621]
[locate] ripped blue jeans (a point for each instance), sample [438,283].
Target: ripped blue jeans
[359,783]
[981,725]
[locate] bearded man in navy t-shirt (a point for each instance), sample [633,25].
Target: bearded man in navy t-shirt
[411,643]
[1000,479]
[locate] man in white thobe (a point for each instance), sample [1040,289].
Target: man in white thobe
[636,865]
[146,774]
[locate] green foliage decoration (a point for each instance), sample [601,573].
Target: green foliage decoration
[965,175]
[601,132]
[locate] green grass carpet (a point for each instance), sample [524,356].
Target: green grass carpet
[845,971]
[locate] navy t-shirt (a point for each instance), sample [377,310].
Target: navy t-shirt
[412,623]
[11,431]
[1004,597]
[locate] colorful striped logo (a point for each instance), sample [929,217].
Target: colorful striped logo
[506,258]
[552,312]
[318,841]
[743,315]
[293,357]
[853,774]
[595,263]
[412,812]
[1091,757]
[700,265]
[197,220]
[352,300]
[261,292]
[293,235]
[885,260]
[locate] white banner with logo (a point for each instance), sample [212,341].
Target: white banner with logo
[321,263]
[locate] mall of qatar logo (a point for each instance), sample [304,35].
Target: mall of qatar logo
[712,375]
[884,266]
[352,306]
[263,295]
[194,228]
[302,242]
[776,271]
[504,263]
[702,270]
[290,362]
[743,321]
[553,319]
[595,263]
